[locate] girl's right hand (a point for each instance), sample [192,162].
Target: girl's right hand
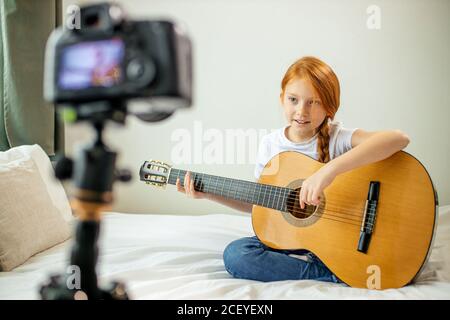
[189,188]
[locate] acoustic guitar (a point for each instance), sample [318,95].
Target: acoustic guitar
[374,225]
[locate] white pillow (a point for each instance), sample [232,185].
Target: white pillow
[438,266]
[34,210]
[54,187]
[441,251]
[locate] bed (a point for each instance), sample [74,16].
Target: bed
[180,257]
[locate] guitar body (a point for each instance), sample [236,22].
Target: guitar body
[403,230]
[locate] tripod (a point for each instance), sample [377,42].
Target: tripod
[93,173]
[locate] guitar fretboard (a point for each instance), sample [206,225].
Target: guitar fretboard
[251,192]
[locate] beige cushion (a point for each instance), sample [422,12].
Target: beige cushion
[54,187]
[30,222]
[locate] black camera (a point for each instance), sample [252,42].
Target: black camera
[107,57]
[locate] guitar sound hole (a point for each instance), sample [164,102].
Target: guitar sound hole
[293,206]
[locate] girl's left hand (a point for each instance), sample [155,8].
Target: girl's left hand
[313,187]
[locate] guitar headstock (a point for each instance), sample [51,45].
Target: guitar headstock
[155,172]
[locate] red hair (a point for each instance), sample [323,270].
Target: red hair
[326,84]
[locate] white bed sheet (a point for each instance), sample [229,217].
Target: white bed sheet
[180,257]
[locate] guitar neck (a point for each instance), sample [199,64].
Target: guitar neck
[264,195]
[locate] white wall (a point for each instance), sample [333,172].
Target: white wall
[394,77]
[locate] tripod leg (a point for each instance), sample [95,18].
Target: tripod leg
[84,255]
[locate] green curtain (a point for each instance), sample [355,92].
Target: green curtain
[25,118]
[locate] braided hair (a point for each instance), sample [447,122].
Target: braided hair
[323,141]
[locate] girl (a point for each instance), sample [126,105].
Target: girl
[310,99]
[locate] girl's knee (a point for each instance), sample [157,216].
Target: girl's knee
[240,254]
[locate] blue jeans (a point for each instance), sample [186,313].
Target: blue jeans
[249,258]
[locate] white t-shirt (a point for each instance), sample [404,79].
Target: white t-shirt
[276,142]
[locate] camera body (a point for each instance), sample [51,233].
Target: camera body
[111,58]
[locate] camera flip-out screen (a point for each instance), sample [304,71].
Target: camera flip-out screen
[91,64]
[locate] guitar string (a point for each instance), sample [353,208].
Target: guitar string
[283,194]
[326,215]
[213,188]
[269,192]
[355,211]
[325,211]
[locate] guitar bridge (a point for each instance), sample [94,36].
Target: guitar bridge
[370,214]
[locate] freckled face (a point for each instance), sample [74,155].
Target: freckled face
[303,109]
